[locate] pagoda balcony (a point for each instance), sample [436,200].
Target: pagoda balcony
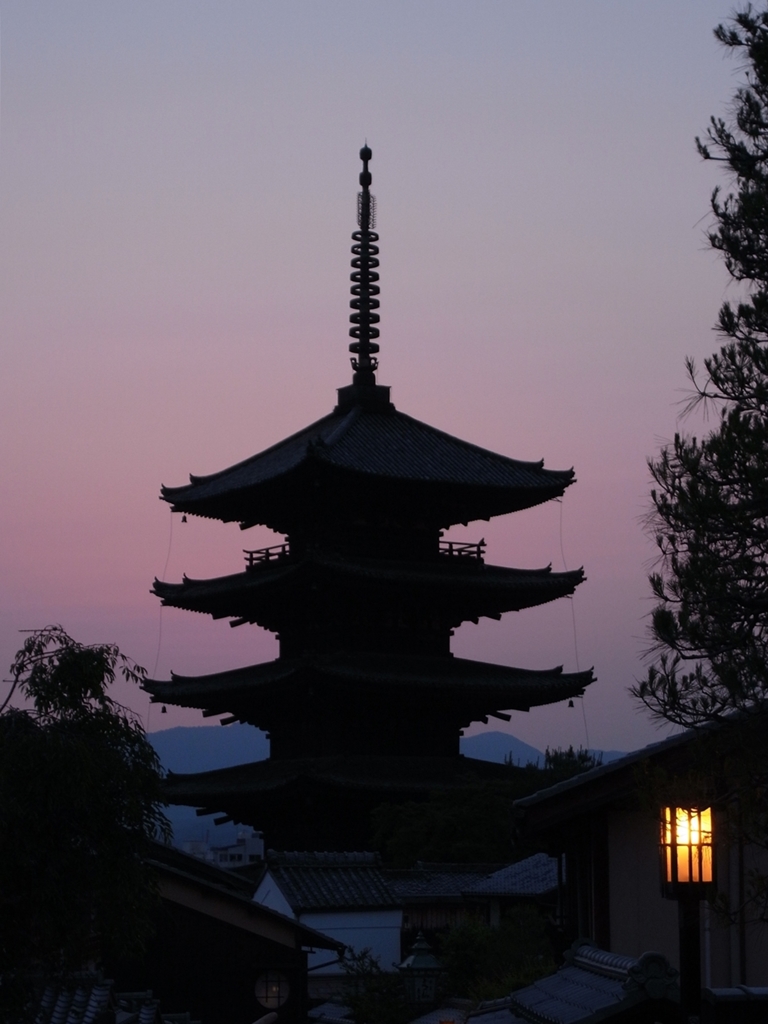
[461,549]
[466,551]
[260,556]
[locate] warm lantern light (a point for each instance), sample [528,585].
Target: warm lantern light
[686,850]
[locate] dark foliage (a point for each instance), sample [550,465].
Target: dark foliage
[710,500]
[374,995]
[564,764]
[473,823]
[488,963]
[79,799]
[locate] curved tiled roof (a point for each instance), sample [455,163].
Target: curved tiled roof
[499,683]
[314,887]
[482,590]
[376,445]
[533,876]
[530,877]
[399,774]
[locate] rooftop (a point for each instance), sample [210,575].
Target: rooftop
[373,445]
[533,876]
[592,986]
[325,881]
[338,881]
[503,685]
[453,588]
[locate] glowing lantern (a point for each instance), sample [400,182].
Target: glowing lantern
[686,852]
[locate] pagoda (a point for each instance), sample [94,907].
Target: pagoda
[366,702]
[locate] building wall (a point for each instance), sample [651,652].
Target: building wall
[269,894]
[198,964]
[641,919]
[732,953]
[743,945]
[377,930]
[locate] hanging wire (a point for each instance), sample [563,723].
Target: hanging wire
[573,620]
[160,617]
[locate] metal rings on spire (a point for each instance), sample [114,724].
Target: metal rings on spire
[364,277]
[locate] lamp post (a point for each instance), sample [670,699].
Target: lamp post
[420,972]
[687,875]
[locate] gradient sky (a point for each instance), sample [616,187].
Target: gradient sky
[178,184]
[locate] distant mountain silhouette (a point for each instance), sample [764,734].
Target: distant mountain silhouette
[498,746]
[204,748]
[185,750]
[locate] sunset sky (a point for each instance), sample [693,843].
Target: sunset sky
[178,186]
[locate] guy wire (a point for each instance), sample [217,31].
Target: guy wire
[573,619]
[160,618]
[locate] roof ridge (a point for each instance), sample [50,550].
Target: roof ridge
[194,479]
[347,422]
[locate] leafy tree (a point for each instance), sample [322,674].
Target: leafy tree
[489,963]
[710,500]
[79,800]
[374,996]
[472,823]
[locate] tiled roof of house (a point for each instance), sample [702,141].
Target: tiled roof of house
[88,997]
[594,985]
[437,881]
[325,881]
[533,876]
[323,858]
[331,881]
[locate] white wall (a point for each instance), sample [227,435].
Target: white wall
[270,895]
[377,930]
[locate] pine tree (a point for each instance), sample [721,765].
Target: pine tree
[710,500]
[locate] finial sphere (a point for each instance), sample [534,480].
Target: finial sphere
[365,153]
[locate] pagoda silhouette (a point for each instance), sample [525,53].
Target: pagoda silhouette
[365,703]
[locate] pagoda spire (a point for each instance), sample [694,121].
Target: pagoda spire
[364,279]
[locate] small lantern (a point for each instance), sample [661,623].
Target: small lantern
[687,867]
[420,972]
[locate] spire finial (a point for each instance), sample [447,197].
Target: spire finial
[364,287]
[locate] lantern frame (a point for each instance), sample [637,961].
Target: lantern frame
[686,850]
[421,972]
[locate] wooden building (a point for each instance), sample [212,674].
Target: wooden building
[365,702]
[216,953]
[607,837]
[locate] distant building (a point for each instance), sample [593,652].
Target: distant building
[437,897]
[356,900]
[343,895]
[366,702]
[248,849]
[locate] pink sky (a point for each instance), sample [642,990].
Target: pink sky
[177,192]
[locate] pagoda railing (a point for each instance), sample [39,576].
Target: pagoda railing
[461,549]
[447,548]
[261,555]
